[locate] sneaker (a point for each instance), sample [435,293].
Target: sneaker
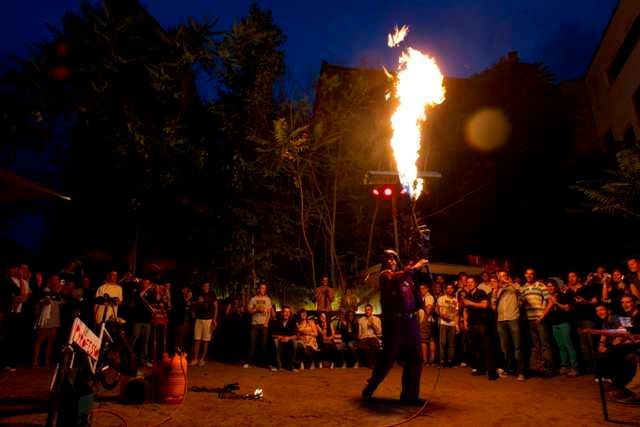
[463,365]
[245,366]
[312,367]
[501,372]
[201,362]
[148,364]
[294,370]
[520,377]
[564,370]
[274,369]
[193,363]
[572,373]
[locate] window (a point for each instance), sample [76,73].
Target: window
[624,51]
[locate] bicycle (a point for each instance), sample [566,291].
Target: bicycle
[107,356]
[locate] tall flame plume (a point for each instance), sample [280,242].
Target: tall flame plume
[418,84]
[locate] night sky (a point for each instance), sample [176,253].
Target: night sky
[465,35]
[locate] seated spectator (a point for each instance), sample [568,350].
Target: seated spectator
[558,314]
[326,337]
[47,320]
[620,361]
[347,328]
[369,334]
[284,334]
[448,310]
[308,337]
[349,301]
[205,311]
[606,320]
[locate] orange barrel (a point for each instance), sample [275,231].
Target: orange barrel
[172,381]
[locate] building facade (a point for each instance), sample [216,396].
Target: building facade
[613,78]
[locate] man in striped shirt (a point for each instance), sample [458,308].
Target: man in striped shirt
[534,297]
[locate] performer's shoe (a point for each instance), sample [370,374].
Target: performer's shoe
[367,392]
[416,401]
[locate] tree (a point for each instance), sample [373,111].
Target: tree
[119,90]
[250,66]
[619,192]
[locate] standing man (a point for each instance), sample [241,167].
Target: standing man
[260,308]
[426,321]
[324,296]
[477,318]
[205,313]
[108,298]
[505,302]
[534,296]
[448,309]
[400,334]
[369,333]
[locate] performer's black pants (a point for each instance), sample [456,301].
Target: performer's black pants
[401,341]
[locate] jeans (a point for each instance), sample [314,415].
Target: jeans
[541,358]
[586,345]
[511,345]
[259,336]
[141,330]
[447,344]
[288,349]
[562,335]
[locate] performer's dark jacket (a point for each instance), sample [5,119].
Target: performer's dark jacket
[399,297]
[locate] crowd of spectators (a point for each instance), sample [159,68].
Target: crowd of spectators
[497,325]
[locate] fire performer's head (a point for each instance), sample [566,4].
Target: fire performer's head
[390,260]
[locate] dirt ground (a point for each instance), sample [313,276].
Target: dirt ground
[327,397]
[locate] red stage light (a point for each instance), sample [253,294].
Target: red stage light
[375,192]
[388,192]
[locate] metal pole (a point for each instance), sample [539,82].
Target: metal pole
[394,214]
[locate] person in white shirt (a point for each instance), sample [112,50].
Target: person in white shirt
[105,311]
[426,322]
[369,333]
[448,310]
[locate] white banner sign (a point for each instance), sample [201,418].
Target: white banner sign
[83,337]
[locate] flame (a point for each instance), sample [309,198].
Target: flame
[398,35]
[418,84]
